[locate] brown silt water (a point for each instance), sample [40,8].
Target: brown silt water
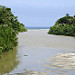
[39,53]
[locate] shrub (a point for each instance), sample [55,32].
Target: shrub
[9,28]
[64,26]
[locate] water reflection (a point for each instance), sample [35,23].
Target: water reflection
[8,61]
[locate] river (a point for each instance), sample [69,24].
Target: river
[39,53]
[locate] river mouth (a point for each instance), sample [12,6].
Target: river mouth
[41,54]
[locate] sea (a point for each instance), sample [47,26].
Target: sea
[38,28]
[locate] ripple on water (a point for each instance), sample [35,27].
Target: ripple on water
[62,60]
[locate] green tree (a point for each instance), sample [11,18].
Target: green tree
[64,26]
[9,28]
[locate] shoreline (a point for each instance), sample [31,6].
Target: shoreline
[38,29]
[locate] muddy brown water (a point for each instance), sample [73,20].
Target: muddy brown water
[40,54]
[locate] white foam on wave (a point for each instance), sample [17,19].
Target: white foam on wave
[38,30]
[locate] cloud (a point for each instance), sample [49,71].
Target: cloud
[40,12]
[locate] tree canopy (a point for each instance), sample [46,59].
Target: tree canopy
[64,26]
[9,28]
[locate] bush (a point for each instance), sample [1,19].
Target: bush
[9,28]
[64,26]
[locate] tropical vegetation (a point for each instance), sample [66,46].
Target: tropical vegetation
[64,26]
[9,28]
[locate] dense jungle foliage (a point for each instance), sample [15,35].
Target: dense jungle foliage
[64,26]
[9,28]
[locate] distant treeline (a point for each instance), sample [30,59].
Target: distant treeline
[64,26]
[9,28]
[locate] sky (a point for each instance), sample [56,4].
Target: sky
[40,13]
